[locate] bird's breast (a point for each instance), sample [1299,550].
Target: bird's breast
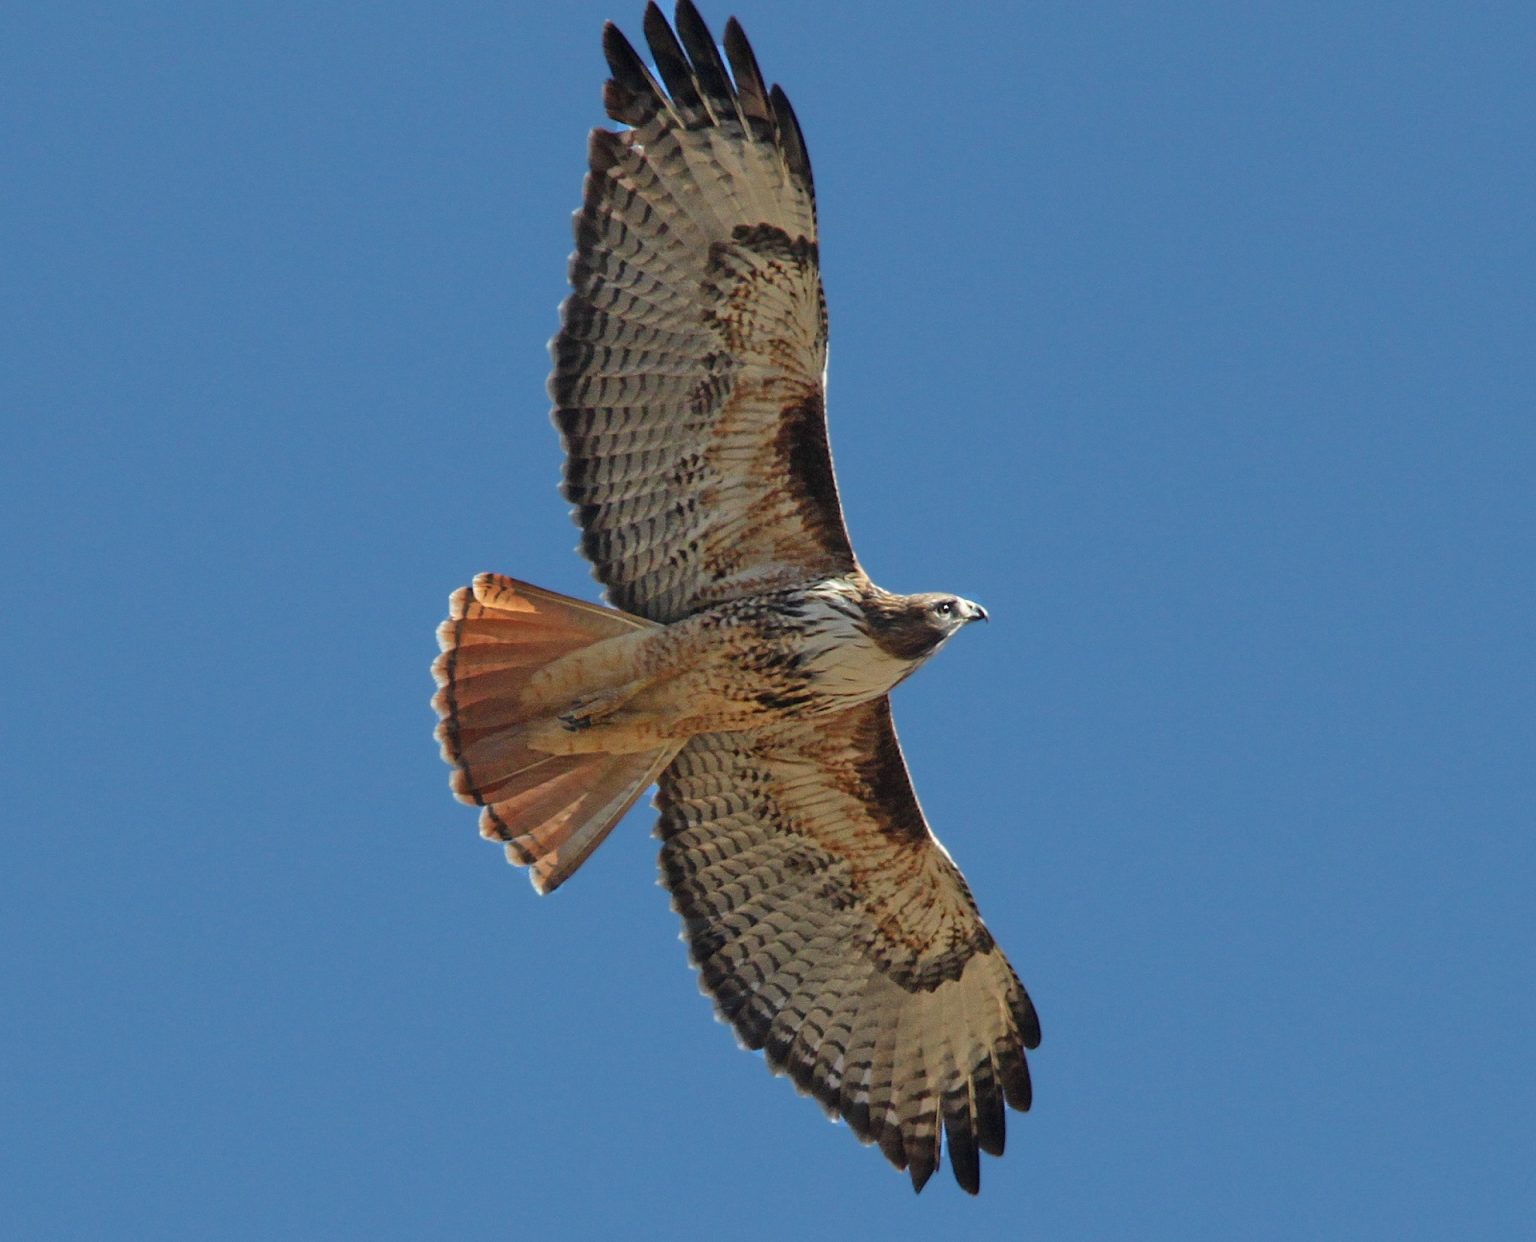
[842,662]
[748,663]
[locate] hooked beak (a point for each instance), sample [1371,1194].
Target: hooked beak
[976,613]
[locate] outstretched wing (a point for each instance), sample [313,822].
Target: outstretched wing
[688,367]
[835,934]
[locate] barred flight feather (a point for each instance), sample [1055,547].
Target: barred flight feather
[696,297]
[893,1007]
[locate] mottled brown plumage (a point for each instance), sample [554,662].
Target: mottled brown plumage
[746,664]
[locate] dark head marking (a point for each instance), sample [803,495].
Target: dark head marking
[913,627]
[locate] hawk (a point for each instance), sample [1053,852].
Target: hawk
[746,663]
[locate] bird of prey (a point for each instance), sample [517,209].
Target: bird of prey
[745,663]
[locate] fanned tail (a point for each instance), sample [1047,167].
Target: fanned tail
[552,811]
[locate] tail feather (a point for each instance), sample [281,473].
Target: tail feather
[488,759]
[514,637]
[552,811]
[552,827]
[480,646]
[467,703]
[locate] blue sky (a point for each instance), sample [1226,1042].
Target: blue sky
[1196,341]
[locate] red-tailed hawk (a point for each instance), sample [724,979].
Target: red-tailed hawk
[746,664]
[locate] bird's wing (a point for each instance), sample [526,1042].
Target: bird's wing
[688,378]
[835,933]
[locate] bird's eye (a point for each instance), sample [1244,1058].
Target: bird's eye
[944,607]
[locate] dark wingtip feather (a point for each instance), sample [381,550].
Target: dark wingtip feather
[923,1151]
[790,135]
[1014,1073]
[751,91]
[623,61]
[960,1138]
[1027,1019]
[738,50]
[672,64]
[709,71]
[855,1112]
[631,96]
[891,1144]
[991,1121]
[696,86]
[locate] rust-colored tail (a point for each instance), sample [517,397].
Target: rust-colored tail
[551,810]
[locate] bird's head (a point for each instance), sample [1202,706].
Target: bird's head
[913,627]
[950,612]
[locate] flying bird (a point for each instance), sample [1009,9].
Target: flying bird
[745,664]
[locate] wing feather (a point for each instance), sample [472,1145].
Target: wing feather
[834,932]
[688,367]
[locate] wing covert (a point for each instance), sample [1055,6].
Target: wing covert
[688,367]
